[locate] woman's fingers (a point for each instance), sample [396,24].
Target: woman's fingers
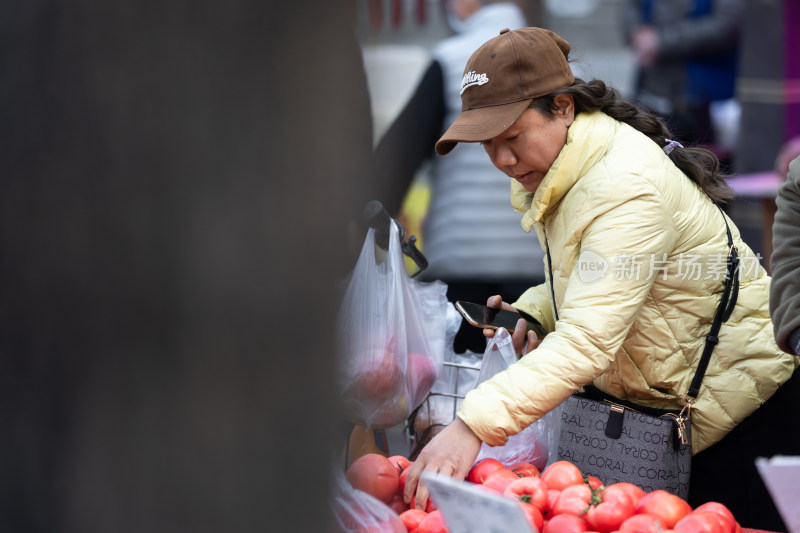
[533,341]
[494,301]
[518,337]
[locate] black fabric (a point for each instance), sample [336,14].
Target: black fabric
[726,472]
[410,139]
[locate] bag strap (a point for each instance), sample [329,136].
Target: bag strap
[726,305]
[729,296]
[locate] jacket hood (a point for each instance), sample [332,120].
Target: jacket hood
[593,133]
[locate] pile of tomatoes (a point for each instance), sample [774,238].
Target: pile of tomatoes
[560,499]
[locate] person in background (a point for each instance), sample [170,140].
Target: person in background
[686,55]
[768,83]
[784,299]
[471,236]
[598,177]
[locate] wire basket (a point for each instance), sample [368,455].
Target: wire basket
[429,424]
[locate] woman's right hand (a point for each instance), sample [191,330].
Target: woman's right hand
[524,341]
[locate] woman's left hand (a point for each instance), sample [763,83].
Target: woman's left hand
[452,452]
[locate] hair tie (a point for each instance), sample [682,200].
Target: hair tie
[671,146]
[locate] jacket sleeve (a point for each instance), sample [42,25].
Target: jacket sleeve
[410,139]
[594,317]
[784,301]
[706,35]
[536,301]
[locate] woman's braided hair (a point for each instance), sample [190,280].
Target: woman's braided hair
[699,164]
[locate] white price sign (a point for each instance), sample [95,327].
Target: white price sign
[468,509]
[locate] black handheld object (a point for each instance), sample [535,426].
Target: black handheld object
[489,317]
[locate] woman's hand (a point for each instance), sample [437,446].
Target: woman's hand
[452,452]
[524,341]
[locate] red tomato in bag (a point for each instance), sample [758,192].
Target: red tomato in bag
[481,470]
[614,508]
[397,504]
[562,474]
[375,475]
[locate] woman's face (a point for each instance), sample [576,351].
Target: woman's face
[526,150]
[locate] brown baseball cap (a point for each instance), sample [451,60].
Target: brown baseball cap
[501,79]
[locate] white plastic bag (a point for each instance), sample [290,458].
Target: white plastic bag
[538,443]
[459,375]
[355,511]
[390,338]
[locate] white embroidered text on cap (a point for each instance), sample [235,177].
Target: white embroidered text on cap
[471,78]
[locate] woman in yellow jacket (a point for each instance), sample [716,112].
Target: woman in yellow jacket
[638,253]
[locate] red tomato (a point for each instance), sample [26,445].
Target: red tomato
[702,522]
[668,507]
[634,491]
[433,523]
[524,470]
[375,475]
[643,523]
[500,479]
[532,515]
[397,504]
[552,498]
[400,463]
[573,500]
[565,523]
[412,518]
[715,507]
[529,490]
[614,508]
[429,505]
[420,373]
[402,480]
[593,482]
[562,474]
[481,470]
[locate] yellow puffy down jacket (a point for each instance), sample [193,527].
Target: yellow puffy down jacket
[638,267]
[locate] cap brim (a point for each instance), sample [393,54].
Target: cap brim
[480,124]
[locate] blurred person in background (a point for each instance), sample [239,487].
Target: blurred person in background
[785,260]
[471,235]
[686,55]
[768,84]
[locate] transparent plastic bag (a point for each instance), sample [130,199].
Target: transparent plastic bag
[537,444]
[458,376]
[390,338]
[355,511]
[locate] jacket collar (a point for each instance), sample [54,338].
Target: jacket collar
[588,139]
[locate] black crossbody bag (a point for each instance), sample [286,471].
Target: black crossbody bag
[620,441]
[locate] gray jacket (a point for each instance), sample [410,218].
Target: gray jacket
[784,300]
